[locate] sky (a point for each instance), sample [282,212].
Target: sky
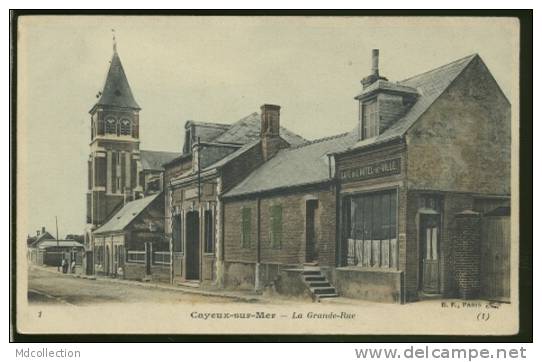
[216,69]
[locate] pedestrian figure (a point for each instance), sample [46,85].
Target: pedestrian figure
[73,266]
[64,265]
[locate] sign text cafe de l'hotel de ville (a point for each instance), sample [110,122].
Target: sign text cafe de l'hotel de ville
[412,201]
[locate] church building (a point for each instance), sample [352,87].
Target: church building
[119,173]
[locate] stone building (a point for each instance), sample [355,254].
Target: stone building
[118,170]
[215,158]
[397,210]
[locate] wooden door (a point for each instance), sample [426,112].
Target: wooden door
[495,258]
[429,254]
[192,246]
[310,231]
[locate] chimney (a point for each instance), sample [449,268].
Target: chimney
[375,73]
[374,69]
[37,233]
[270,131]
[43,229]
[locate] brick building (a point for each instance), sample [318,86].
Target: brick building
[397,210]
[118,171]
[416,190]
[215,158]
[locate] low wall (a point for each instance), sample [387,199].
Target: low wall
[239,275]
[290,283]
[374,285]
[137,271]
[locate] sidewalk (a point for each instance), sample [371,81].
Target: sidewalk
[241,296]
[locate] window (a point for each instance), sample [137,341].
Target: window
[370,119]
[111,126]
[125,127]
[372,240]
[246,219]
[209,231]
[276,226]
[177,233]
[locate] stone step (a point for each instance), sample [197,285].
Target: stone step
[330,295]
[320,284]
[312,272]
[319,291]
[315,278]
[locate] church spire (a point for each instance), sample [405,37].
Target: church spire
[116,91]
[114,42]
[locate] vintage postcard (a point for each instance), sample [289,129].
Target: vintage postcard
[267,175]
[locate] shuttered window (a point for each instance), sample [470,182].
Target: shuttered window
[276,226]
[246,219]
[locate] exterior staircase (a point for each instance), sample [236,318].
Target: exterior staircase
[318,284]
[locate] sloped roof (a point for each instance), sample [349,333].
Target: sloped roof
[232,156]
[61,243]
[207,131]
[43,236]
[125,215]
[154,160]
[301,165]
[247,129]
[430,86]
[117,91]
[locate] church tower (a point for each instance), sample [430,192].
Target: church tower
[114,159]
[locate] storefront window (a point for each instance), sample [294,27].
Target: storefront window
[372,239]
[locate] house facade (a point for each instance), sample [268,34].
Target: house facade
[215,158]
[405,212]
[433,157]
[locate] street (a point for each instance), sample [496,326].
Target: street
[49,287]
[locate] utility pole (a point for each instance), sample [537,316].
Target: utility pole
[57,244]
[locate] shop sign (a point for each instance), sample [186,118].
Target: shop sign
[374,170]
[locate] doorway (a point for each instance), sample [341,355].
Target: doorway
[311,252]
[107,260]
[429,278]
[495,256]
[192,245]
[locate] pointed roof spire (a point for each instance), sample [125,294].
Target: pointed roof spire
[116,91]
[114,41]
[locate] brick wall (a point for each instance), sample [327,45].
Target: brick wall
[466,253]
[462,143]
[292,250]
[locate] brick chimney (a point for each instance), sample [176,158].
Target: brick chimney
[375,74]
[270,131]
[43,229]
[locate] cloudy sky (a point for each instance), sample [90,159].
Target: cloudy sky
[213,69]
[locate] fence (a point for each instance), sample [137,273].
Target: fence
[161,257]
[135,256]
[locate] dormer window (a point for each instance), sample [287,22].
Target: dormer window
[369,119]
[111,126]
[125,127]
